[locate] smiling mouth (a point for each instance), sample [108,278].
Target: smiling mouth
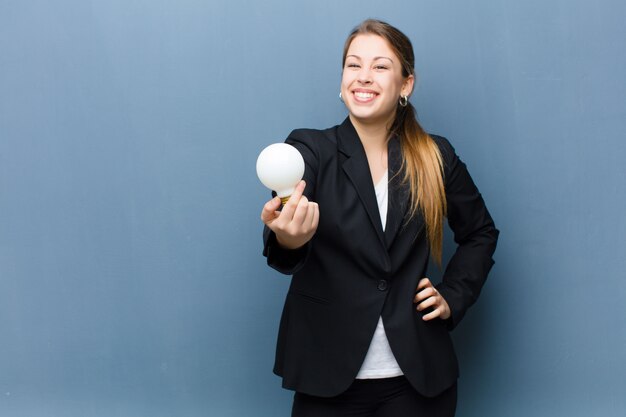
[364,96]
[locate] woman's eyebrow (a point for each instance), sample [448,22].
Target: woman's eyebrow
[375,58]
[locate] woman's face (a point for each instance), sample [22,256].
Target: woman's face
[372,80]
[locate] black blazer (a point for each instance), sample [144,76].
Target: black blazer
[351,272]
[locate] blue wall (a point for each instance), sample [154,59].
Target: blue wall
[131,278]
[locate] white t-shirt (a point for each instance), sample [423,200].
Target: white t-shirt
[379,361]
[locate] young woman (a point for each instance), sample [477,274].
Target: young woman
[363,332]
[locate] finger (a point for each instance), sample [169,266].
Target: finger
[300,214]
[310,214]
[425,293]
[289,209]
[429,302]
[316,216]
[269,210]
[432,315]
[424,283]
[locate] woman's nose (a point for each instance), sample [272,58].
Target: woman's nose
[365,76]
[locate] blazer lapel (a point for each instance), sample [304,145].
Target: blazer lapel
[357,169]
[399,192]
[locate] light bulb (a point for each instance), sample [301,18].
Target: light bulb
[280,167]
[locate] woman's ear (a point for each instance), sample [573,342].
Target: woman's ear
[407,86]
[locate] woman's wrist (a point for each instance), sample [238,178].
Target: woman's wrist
[289,243]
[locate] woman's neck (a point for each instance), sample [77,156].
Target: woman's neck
[374,140]
[373,135]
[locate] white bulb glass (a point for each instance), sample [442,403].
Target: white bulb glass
[280,167]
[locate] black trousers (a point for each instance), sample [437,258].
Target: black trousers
[387,397]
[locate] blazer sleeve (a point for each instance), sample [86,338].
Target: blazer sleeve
[289,261]
[474,232]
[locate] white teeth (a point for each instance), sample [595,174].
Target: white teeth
[363,95]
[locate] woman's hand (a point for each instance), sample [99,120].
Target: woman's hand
[296,224]
[428,296]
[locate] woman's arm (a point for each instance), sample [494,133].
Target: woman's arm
[287,233]
[474,232]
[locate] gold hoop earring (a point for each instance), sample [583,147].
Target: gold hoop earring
[404,100]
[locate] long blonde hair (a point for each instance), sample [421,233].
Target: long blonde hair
[421,160]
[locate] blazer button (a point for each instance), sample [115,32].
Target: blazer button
[382,285]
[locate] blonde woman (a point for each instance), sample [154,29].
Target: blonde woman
[363,331]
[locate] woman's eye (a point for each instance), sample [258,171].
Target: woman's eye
[380,67]
[352,66]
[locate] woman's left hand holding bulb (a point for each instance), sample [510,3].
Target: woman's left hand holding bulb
[296,224]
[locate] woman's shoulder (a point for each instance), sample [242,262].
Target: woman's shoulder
[448,153]
[319,142]
[317,136]
[444,145]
